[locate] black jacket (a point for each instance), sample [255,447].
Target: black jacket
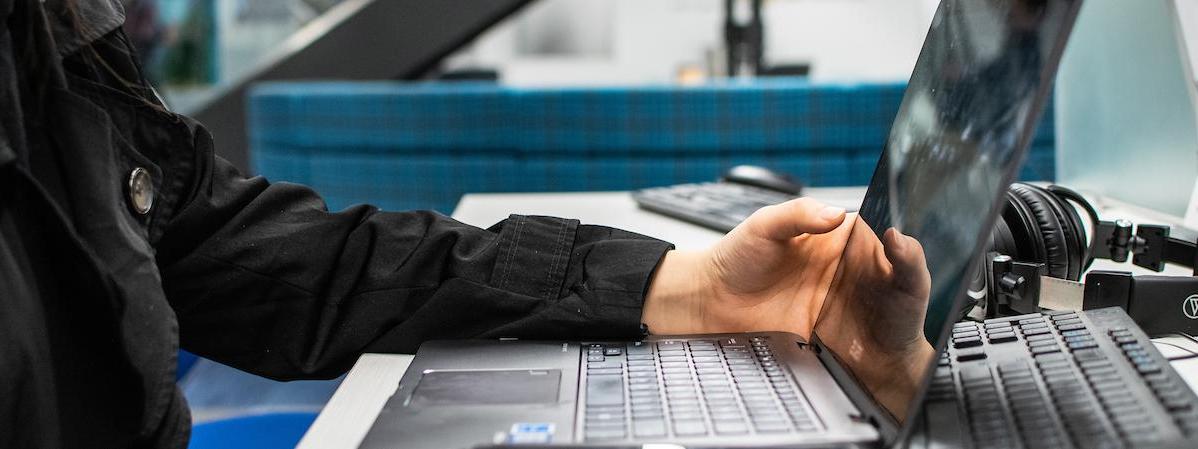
[96,296]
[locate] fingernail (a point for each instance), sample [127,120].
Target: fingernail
[910,240]
[831,213]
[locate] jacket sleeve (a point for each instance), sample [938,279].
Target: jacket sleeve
[264,278]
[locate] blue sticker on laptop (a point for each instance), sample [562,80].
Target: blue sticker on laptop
[531,433]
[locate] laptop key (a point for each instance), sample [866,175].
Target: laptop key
[774,426]
[639,348]
[727,416]
[731,428]
[649,428]
[605,434]
[605,390]
[690,428]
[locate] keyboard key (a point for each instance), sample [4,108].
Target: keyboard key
[605,416]
[610,364]
[649,428]
[732,342]
[974,373]
[648,374]
[1075,333]
[605,434]
[966,333]
[1045,350]
[771,426]
[1002,337]
[967,342]
[605,390]
[1076,345]
[1085,355]
[1068,322]
[690,428]
[731,427]
[1148,368]
[1078,337]
[970,354]
[639,348]
[1040,343]
[1039,337]
[668,345]
[1015,366]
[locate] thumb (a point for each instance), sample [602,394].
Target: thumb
[906,255]
[794,218]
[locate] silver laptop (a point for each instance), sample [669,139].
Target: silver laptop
[974,98]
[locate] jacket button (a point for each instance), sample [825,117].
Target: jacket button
[141,191]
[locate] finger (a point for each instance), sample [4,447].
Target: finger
[906,255]
[794,218]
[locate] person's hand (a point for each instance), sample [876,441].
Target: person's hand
[775,271]
[874,319]
[769,274]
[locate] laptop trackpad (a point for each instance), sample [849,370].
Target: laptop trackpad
[487,387]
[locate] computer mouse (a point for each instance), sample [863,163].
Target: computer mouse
[763,177]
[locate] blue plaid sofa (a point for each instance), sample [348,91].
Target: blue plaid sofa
[422,145]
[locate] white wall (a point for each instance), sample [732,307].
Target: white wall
[1187,13]
[647,41]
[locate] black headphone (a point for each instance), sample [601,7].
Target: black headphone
[1039,224]
[1041,233]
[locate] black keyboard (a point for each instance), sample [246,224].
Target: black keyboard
[716,205]
[690,389]
[1086,380]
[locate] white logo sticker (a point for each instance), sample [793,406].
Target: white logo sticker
[1190,307]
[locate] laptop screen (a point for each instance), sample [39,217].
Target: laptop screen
[969,111]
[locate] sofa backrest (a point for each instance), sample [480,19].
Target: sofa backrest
[421,145]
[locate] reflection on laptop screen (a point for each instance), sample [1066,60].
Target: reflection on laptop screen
[964,125]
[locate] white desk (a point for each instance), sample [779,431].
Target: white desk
[350,413]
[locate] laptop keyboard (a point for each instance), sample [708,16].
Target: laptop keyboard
[690,388]
[1070,392]
[716,205]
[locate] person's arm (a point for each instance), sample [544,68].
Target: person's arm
[265,279]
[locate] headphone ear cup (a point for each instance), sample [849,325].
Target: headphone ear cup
[1075,234]
[1069,225]
[1050,226]
[1025,243]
